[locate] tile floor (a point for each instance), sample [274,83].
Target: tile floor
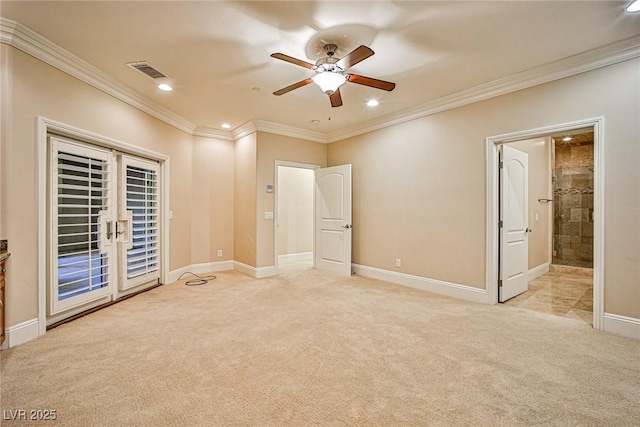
[566,292]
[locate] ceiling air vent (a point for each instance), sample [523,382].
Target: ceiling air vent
[146,68]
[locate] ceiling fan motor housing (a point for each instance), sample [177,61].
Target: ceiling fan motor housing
[328,64]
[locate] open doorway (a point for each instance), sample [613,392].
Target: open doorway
[294,216]
[559,272]
[563,221]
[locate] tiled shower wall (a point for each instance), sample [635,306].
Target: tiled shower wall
[573,204]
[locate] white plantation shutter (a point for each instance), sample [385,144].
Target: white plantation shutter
[80,205]
[140,204]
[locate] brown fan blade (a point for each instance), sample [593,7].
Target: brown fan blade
[292,60]
[336,98]
[292,87]
[368,81]
[359,54]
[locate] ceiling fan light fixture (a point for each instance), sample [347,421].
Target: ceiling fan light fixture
[329,81]
[633,7]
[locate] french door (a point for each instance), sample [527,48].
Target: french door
[104,225]
[139,222]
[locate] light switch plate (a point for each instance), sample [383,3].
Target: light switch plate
[268,215]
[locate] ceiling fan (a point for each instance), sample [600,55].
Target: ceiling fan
[331,73]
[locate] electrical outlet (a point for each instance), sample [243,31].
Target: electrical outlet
[219,253]
[398,263]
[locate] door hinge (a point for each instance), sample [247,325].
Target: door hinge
[500,223]
[500,164]
[500,283]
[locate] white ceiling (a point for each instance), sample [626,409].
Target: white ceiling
[216,52]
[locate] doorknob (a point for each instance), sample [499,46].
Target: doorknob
[347,226]
[528,230]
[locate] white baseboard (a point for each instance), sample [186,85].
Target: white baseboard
[454,290]
[622,325]
[298,257]
[538,271]
[211,267]
[21,333]
[206,267]
[256,272]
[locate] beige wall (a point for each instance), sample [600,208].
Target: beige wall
[295,192]
[419,186]
[212,195]
[273,147]
[31,88]
[539,151]
[244,201]
[414,198]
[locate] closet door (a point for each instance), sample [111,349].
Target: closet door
[138,226]
[82,226]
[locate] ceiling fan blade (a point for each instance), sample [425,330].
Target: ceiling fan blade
[292,87]
[359,54]
[336,98]
[368,81]
[293,60]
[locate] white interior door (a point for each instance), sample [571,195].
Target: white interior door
[333,220]
[514,214]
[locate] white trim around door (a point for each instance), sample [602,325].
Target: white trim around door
[276,207]
[492,144]
[44,128]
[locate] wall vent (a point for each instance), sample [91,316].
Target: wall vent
[146,68]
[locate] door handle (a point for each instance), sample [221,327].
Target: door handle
[528,230]
[109,232]
[118,232]
[124,229]
[347,226]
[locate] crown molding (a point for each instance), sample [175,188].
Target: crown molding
[285,130]
[603,56]
[32,43]
[213,133]
[243,130]
[278,129]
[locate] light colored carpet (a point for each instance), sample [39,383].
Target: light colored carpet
[309,348]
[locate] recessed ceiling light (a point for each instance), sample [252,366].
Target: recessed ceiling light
[633,7]
[567,138]
[372,103]
[225,125]
[165,87]
[315,122]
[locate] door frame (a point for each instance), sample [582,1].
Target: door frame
[46,126]
[277,208]
[492,212]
